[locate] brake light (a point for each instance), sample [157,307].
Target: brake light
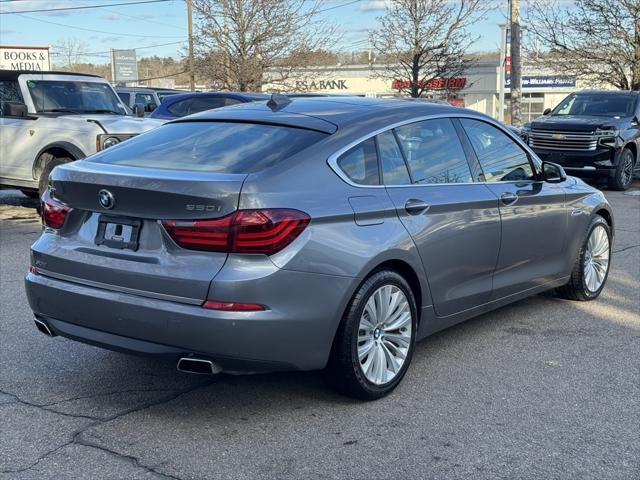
[265,231]
[54,212]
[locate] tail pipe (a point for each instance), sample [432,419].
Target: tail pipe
[198,365]
[44,328]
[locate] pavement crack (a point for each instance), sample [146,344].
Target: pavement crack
[626,248]
[75,436]
[134,460]
[44,407]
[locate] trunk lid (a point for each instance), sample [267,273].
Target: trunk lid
[151,264]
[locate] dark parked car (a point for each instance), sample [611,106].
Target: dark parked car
[591,133]
[185,104]
[307,234]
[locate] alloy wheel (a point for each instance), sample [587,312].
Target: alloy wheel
[596,259]
[627,170]
[384,334]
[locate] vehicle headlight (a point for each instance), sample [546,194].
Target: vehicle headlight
[109,140]
[607,137]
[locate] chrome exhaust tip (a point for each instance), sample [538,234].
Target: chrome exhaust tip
[43,327]
[197,365]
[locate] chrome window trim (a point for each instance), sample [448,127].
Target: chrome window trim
[333,158]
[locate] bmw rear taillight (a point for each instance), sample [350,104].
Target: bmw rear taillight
[54,212]
[265,231]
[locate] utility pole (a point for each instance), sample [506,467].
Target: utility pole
[370,47]
[192,78]
[516,63]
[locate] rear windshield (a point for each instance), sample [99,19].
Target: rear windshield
[223,147]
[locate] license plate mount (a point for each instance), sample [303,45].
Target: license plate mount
[118,232]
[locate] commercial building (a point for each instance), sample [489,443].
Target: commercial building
[478,89]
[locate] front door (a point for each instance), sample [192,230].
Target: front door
[533,212]
[15,137]
[453,220]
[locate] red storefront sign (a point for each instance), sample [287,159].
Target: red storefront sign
[454,83]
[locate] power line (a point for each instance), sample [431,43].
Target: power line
[142,19]
[97,31]
[84,7]
[338,6]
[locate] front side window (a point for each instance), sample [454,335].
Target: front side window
[147,100]
[500,157]
[222,147]
[434,152]
[394,170]
[360,163]
[74,97]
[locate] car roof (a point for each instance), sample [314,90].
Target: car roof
[609,92]
[14,74]
[327,114]
[134,89]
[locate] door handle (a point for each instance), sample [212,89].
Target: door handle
[508,198]
[415,206]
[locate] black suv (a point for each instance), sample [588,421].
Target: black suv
[591,133]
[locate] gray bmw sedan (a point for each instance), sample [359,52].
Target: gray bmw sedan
[315,233]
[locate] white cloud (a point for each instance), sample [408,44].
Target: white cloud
[374,5]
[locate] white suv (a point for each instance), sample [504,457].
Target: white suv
[49,118]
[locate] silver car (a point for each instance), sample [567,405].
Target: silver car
[315,233]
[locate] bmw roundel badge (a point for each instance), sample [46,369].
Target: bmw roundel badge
[105,197]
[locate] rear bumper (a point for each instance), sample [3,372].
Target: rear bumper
[296,333]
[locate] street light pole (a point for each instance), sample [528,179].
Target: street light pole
[516,63]
[192,78]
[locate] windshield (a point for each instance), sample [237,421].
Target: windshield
[74,97]
[599,105]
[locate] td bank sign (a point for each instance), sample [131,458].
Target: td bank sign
[321,85]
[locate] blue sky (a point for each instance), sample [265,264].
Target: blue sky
[158,29]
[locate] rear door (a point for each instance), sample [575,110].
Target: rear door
[453,220]
[533,212]
[16,137]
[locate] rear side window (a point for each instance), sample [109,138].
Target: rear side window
[500,157]
[360,163]
[434,152]
[222,147]
[200,104]
[10,91]
[180,108]
[125,97]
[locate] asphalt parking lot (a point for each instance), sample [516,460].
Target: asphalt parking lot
[544,388]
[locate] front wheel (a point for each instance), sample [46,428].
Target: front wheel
[374,343]
[592,266]
[623,174]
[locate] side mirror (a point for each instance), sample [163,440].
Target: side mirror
[138,110]
[547,111]
[553,173]
[14,109]
[636,120]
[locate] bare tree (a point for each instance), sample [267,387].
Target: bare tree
[595,39]
[243,44]
[426,40]
[71,50]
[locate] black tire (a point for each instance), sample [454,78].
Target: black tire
[31,193]
[576,288]
[623,174]
[343,371]
[50,162]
